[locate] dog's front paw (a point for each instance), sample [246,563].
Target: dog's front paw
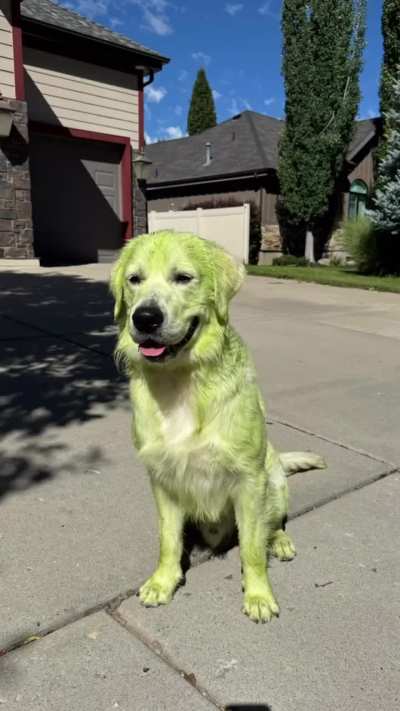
[157,590]
[260,607]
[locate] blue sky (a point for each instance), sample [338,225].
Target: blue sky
[239,44]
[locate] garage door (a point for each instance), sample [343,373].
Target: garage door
[76,199]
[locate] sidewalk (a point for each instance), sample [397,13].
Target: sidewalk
[79,533]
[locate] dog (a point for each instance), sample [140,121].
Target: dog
[199,421]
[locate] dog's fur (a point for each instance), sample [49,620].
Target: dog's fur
[199,420]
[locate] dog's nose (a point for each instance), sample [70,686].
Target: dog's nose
[147,318]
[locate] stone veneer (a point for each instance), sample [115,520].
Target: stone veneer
[139,204]
[16,233]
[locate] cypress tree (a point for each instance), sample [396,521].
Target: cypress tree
[322,58]
[391,61]
[202,108]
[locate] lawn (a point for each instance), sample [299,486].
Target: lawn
[334,276]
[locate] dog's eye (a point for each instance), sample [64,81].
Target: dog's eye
[134,279]
[181,278]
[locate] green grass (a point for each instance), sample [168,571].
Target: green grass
[333,276]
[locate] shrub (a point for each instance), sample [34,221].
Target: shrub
[288,260]
[360,240]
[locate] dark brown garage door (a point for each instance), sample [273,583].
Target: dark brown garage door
[76,199]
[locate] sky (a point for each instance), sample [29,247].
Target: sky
[239,43]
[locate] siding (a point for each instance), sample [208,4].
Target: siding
[364,171]
[77,94]
[7,78]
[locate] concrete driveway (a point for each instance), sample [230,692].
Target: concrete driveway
[78,530]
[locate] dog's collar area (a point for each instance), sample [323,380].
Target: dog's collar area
[157,352]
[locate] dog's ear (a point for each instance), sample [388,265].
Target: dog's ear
[117,282]
[229,276]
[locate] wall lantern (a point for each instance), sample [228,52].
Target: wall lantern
[6,118]
[142,167]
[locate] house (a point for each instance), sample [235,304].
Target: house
[74,92]
[237,161]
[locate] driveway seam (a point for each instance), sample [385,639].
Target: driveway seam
[348,447]
[156,648]
[111,605]
[60,336]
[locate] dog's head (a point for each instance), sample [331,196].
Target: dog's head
[172,292]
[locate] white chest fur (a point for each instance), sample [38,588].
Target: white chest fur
[185,461]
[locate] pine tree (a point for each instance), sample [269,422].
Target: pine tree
[323,47]
[386,213]
[202,108]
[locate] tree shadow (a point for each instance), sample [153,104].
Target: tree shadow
[56,340]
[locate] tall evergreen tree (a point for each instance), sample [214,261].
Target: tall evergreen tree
[202,108]
[322,58]
[391,51]
[391,60]
[386,213]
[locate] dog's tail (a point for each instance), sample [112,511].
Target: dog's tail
[294,462]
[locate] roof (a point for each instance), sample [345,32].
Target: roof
[50,13]
[366,129]
[244,145]
[247,143]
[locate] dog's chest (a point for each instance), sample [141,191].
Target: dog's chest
[187,462]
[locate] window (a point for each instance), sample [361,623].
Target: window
[358,199]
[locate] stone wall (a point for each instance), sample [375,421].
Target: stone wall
[16,233]
[139,204]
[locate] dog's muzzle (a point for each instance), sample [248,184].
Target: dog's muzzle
[155,351]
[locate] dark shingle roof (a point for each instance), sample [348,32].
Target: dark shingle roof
[49,13]
[243,145]
[365,130]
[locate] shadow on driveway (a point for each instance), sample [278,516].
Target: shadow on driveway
[56,340]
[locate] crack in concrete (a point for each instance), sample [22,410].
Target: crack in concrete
[156,648]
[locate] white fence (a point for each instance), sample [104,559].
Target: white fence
[227,226]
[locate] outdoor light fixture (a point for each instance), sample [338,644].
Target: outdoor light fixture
[6,118]
[142,167]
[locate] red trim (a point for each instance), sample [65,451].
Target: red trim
[141,113]
[18,53]
[126,161]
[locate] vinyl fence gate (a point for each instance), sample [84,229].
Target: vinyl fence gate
[227,226]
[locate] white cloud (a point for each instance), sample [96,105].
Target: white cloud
[155,15]
[265,10]
[269,101]
[154,95]
[216,94]
[115,22]
[90,8]
[247,105]
[201,57]
[148,139]
[173,132]
[234,107]
[233,8]
[183,74]
[372,113]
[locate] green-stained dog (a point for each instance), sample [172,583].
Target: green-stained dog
[199,419]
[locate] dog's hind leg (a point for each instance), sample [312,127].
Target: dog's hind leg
[280,544]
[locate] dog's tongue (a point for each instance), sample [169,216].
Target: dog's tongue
[152,351]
